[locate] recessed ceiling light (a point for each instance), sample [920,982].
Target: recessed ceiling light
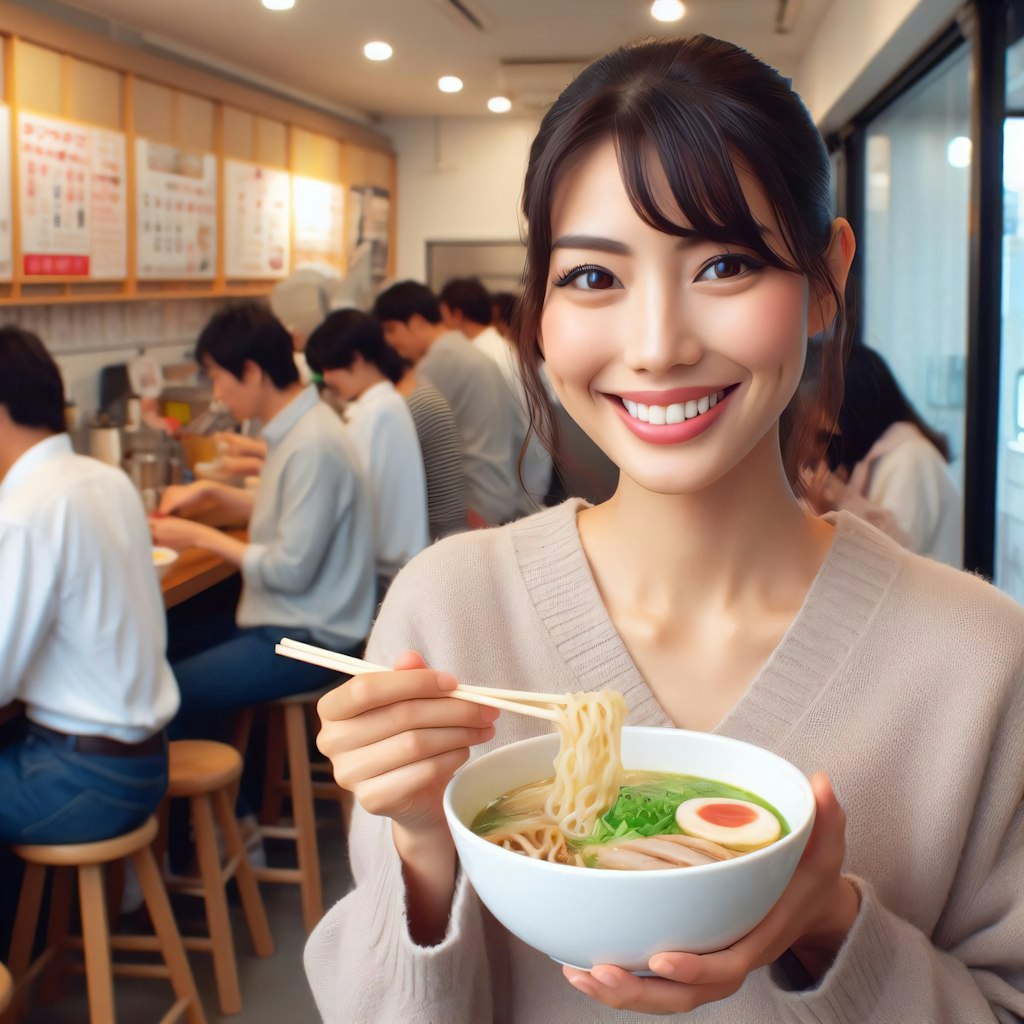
[667,10]
[378,51]
[279,5]
[499,104]
[449,83]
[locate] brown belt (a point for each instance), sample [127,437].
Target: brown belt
[106,746]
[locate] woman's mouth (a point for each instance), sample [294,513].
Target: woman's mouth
[660,420]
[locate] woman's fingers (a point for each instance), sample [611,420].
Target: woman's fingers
[379,689]
[367,762]
[397,794]
[620,990]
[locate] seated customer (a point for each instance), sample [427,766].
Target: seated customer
[484,408]
[82,631]
[307,568]
[349,352]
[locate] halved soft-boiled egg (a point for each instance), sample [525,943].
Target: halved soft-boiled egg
[734,824]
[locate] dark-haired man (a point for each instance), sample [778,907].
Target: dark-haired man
[467,307]
[82,632]
[484,408]
[307,568]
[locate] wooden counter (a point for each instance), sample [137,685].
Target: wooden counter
[195,571]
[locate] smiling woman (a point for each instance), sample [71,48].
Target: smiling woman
[681,251]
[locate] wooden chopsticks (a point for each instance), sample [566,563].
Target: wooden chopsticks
[506,700]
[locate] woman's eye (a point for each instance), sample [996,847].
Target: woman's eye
[590,279]
[725,267]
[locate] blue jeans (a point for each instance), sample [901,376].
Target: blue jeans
[50,793]
[239,672]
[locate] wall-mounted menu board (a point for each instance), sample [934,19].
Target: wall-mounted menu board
[5,194]
[176,212]
[71,199]
[257,221]
[319,217]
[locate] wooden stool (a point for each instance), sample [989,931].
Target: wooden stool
[6,988]
[96,942]
[287,736]
[207,774]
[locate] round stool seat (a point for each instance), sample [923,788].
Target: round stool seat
[100,852]
[201,766]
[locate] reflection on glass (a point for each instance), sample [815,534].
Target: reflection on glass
[915,245]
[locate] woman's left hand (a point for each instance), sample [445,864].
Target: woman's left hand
[812,917]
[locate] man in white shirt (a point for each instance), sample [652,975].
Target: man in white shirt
[350,354]
[466,306]
[484,408]
[82,631]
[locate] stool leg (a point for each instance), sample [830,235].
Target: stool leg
[223,944]
[252,902]
[52,988]
[273,777]
[171,947]
[26,919]
[302,812]
[96,944]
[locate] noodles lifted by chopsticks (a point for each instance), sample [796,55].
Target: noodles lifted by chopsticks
[588,768]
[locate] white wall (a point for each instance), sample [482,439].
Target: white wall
[859,47]
[459,179]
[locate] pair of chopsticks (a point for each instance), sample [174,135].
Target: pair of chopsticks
[520,701]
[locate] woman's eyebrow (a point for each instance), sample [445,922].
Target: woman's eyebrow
[610,245]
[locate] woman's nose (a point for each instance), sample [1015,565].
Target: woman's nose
[661,337]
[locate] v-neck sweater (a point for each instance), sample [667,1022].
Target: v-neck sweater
[901,678]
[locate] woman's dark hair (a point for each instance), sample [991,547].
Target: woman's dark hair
[695,107]
[405,300]
[872,403]
[249,332]
[469,297]
[346,333]
[30,383]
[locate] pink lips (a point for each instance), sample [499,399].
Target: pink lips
[670,433]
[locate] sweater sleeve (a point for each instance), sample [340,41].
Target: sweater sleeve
[970,970]
[362,965]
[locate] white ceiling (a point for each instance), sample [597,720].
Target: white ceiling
[316,48]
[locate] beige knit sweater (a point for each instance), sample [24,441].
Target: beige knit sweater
[900,677]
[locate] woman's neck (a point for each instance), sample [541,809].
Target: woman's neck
[745,541]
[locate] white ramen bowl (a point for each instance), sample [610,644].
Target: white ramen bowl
[588,916]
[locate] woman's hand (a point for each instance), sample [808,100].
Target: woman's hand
[812,917]
[172,532]
[394,740]
[182,498]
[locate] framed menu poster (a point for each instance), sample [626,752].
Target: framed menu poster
[319,222]
[72,199]
[176,212]
[5,194]
[257,220]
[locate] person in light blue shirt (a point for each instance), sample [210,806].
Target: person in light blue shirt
[308,564]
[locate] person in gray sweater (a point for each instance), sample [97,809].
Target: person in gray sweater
[681,251]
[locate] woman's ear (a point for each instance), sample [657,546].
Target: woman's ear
[838,258]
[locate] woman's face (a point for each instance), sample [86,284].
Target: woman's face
[676,355]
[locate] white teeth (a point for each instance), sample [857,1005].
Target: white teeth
[663,414]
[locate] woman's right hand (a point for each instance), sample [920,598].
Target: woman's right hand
[395,739]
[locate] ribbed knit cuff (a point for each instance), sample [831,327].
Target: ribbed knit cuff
[850,989]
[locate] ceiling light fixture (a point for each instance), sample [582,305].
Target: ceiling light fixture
[378,50]
[449,83]
[499,104]
[279,5]
[667,10]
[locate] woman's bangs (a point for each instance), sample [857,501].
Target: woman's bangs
[699,169]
